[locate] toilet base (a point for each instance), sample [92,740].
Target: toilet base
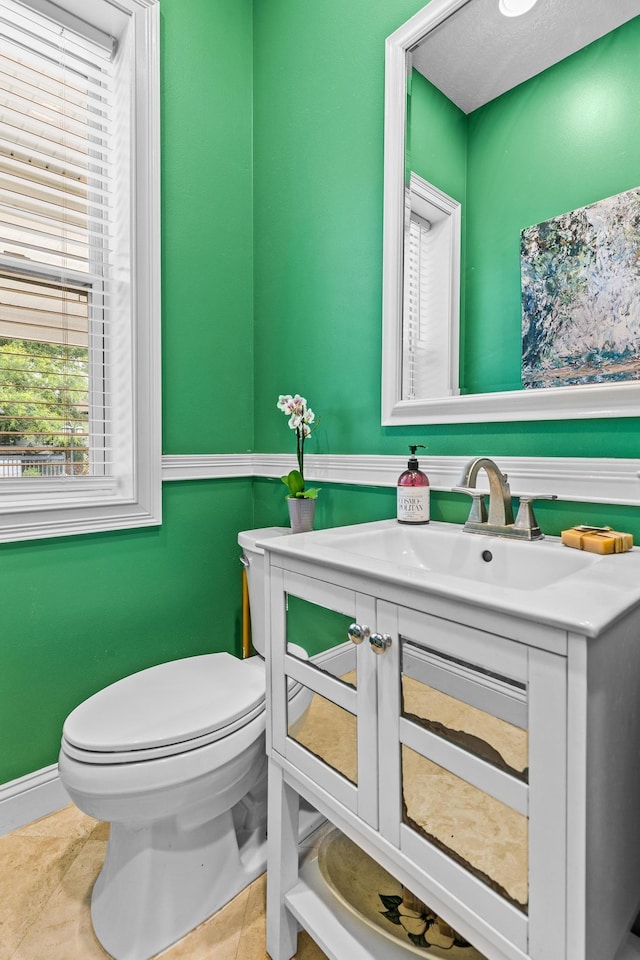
[169,881]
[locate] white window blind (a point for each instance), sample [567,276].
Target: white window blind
[56,121]
[418,288]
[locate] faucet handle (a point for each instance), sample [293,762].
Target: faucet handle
[526,519]
[478,512]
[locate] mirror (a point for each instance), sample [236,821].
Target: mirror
[495,124]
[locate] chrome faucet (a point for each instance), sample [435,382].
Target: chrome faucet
[499,522]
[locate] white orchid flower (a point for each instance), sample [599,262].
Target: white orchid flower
[300,416]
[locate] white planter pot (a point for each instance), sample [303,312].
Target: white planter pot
[301,513]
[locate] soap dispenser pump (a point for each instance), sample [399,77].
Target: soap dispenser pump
[413,491]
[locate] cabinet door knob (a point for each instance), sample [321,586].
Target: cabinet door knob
[358,632]
[380,642]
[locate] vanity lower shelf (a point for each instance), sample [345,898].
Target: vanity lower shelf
[340,933]
[336,930]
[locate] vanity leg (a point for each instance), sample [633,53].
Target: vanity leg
[282,865]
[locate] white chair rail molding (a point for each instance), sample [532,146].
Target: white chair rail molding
[602,480]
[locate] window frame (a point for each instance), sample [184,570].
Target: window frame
[34,508]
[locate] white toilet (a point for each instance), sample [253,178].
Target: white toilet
[174,759]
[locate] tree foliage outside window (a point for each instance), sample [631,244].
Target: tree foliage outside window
[46,420]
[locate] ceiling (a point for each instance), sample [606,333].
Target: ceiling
[478,54]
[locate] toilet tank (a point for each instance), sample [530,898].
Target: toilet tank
[253,558]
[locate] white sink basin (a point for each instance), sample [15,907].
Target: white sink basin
[507,563]
[542,581]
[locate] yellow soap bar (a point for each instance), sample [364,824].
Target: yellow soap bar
[597,539]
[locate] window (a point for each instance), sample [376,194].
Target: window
[79,267]
[431,293]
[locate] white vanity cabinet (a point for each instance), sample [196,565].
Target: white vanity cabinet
[489,761]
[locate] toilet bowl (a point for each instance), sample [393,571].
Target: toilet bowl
[173,757]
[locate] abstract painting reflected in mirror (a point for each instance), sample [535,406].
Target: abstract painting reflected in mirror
[581,295]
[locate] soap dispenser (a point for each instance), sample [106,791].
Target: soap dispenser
[413,491]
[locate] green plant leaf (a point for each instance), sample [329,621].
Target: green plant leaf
[294,482]
[310,494]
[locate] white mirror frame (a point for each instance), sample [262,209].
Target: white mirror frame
[551,403]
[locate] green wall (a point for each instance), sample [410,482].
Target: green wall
[318,159]
[437,135]
[82,611]
[207,200]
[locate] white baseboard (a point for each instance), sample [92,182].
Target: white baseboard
[30,797]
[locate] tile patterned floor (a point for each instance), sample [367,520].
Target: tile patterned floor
[47,871]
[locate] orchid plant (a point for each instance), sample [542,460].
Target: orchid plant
[301,418]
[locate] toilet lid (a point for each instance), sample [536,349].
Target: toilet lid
[168,704]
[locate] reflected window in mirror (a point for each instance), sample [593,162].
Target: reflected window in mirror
[430,321]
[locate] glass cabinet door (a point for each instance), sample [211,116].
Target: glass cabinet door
[322,725]
[320,638]
[461,761]
[465,707]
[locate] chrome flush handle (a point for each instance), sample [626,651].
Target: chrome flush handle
[380,642]
[358,632]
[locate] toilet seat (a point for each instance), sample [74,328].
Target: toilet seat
[146,788]
[167,709]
